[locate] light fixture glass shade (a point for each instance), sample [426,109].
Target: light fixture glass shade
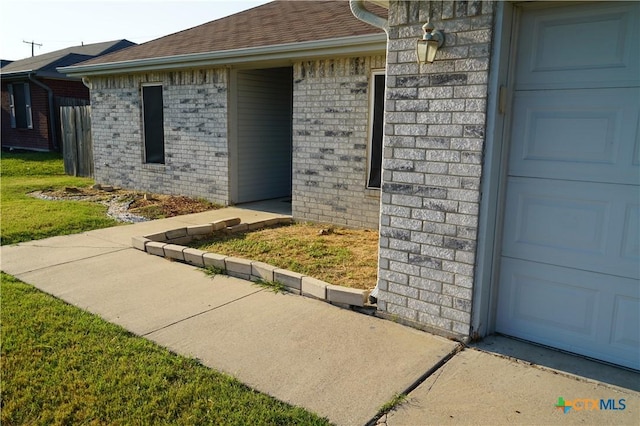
[427,47]
[426,51]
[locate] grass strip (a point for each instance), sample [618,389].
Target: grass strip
[25,218]
[62,365]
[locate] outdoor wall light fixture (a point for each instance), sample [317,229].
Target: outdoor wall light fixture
[427,47]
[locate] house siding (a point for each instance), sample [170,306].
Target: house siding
[331,107]
[434,139]
[195,125]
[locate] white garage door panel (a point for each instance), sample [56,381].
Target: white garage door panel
[626,317]
[569,272]
[600,41]
[573,224]
[577,134]
[526,293]
[631,240]
[576,318]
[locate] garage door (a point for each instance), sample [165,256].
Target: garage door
[569,266]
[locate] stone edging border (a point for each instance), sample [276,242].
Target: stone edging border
[167,244]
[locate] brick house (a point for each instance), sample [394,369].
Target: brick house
[32,91]
[505,188]
[271,102]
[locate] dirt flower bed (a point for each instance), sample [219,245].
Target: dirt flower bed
[340,256]
[159,206]
[130,206]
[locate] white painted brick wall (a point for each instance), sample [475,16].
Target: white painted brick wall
[195,122]
[331,103]
[434,136]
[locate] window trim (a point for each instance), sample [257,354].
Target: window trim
[144,125]
[372,111]
[27,105]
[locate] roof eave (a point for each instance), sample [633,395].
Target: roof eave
[344,46]
[52,75]
[15,75]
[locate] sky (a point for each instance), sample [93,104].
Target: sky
[59,24]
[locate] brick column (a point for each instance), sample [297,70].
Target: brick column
[434,137]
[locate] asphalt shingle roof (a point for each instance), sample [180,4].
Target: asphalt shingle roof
[72,55]
[275,23]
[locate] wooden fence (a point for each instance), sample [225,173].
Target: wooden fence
[77,147]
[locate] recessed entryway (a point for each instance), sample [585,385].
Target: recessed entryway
[263,134]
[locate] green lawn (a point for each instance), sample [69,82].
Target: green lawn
[62,365]
[24,218]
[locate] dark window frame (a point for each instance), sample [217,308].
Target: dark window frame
[20,105]
[376,129]
[153,123]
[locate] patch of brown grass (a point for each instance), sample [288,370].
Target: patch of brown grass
[347,257]
[159,206]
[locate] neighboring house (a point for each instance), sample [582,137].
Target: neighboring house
[4,62]
[509,197]
[33,90]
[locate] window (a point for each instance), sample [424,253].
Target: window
[374,175]
[153,122]
[20,105]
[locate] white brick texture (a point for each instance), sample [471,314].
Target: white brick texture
[435,121]
[331,107]
[195,117]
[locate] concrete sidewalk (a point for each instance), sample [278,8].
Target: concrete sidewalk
[476,387]
[335,362]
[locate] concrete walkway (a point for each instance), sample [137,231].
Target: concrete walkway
[481,388]
[335,362]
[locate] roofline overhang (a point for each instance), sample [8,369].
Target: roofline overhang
[15,75]
[343,46]
[51,75]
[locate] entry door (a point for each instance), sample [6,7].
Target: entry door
[569,266]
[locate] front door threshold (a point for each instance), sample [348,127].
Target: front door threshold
[276,205]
